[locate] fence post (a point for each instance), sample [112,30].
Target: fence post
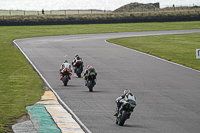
[91,10]
[78,11]
[10,12]
[24,12]
[65,12]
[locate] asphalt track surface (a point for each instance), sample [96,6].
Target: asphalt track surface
[167,93]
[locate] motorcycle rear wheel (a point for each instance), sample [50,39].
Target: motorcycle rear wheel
[90,86]
[123,118]
[65,80]
[78,72]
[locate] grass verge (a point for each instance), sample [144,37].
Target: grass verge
[20,85]
[179,48]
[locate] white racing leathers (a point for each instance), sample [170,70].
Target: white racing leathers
[65,65]
[126,97]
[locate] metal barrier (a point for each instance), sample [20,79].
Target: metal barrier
[51,12]
[64,12]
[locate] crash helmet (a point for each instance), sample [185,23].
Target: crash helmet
[88,66]
[126,91]
[76,55]
[65,61]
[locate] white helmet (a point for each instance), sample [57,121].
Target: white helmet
[126,91]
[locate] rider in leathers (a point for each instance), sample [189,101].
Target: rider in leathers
[87,73]
[76,58]
[64,65]
[126,97]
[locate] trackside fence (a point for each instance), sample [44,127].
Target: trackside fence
[50,12]
[64,17]
[64,12]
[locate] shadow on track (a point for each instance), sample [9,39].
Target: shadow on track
[135,126]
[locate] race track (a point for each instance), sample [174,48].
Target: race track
[167,94]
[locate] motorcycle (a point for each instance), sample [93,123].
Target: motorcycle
[91,81]
[65,77]
[78,67]
[125,111]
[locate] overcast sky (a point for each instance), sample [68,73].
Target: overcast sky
[84,4]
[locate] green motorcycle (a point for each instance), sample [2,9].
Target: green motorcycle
[125,111]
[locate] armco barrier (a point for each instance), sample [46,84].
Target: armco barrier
[99,21]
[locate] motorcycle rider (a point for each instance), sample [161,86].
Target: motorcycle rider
[126,96]
[87,72]
[64,65]
[75,60]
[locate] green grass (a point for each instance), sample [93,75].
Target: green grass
[176,48]
[20,85]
